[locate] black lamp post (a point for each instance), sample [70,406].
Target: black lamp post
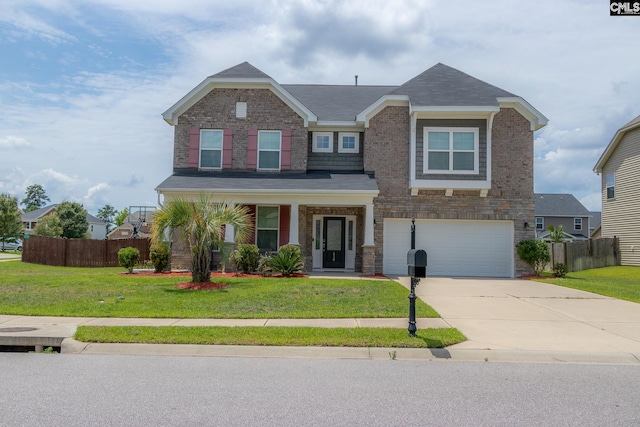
[414,281]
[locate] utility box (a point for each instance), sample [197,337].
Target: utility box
[417,263]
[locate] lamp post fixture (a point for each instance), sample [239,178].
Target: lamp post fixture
[417,268]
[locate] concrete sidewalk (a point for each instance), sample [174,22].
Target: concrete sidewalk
[503,319]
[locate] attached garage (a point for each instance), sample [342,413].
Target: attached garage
[454,247]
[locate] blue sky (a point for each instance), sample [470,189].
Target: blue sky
[83,86]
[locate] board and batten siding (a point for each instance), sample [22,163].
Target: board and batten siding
[621,215]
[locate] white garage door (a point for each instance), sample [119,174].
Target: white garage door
[454,247]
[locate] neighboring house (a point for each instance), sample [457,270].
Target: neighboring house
[97,228]
[140,221]
[594,229]
[342,170]
[562,210]
[619,167]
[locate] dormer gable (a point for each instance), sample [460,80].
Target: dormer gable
[241,76]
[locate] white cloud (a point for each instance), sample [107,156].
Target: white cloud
[11,141]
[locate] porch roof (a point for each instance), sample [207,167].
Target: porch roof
[288,182]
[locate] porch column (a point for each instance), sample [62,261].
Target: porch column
[368,225]
[229,231]
[293,225]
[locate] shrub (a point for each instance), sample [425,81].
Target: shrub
[160,256]
[128,258]
[535,253]
[560,270]
[264,265]
[245,258]
[288,260]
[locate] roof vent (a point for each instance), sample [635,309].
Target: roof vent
[356,76]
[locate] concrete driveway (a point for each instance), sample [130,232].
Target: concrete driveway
[514,314]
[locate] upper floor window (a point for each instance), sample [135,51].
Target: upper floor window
[539,223]
[269,142]
[349,142]
[610,185]
[210,148]
[577,223]
[323,142]
[451,150]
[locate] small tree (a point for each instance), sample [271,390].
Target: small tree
[200,223]
[35,198]
[107,214]
[128,258]
[73,219]
[535,253]
[49,226]
[121,217]
[556,233]
[11,227]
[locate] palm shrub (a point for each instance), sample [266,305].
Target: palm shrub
[200,225]
[245,258]
[160,256]
[128,258]
[535,253]
[287,261]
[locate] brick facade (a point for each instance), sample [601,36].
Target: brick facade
[510,197]
[217,110]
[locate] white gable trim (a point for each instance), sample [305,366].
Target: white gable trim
[210,83]
[535,117]
[612,146]
[379,105]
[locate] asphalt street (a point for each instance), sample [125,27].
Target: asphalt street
[91,390]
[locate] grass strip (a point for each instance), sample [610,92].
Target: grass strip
[271,336]
[620,282]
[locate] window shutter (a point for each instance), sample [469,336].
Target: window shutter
[227,148]
[285,161]
[252,149]
[194,147]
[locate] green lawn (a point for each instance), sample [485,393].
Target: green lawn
[617,282]
[30,289]
[280,336]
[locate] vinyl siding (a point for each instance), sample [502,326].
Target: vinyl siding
[621,215]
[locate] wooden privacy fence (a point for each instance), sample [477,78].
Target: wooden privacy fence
[586,254]
[79,252]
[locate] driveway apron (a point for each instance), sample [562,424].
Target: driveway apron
[519,314]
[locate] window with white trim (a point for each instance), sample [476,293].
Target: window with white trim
[267,222]
[211,148]
[577,223]
[269,143]
[348,142]
[610,181]
[451,150]
[539,223]
[323,142]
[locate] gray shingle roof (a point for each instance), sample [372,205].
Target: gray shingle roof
[442,85]
[559,205]
[341,103]
[242,71]
[230,181]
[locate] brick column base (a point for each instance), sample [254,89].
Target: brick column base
[368,260]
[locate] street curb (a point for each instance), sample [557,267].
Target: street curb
[72,346]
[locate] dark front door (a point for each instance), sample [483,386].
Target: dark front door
[333,243]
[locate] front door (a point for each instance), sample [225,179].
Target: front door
[333,242]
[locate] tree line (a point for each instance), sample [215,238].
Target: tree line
[69,219]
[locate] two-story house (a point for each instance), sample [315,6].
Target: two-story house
[97,228]
[341,170]
[562,210]
[619,167]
